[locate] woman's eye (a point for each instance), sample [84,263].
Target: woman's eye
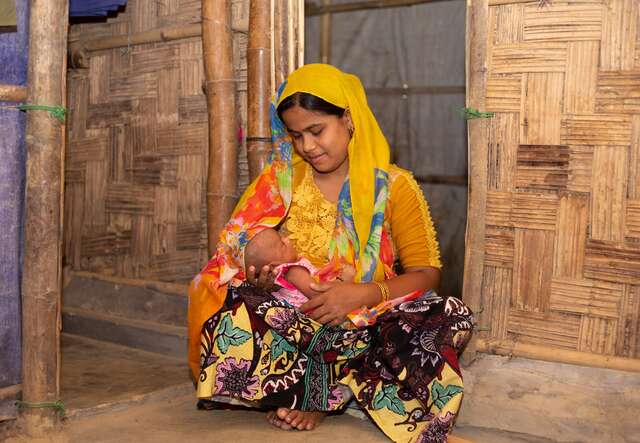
[316,133]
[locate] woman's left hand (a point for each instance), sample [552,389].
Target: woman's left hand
[335,300]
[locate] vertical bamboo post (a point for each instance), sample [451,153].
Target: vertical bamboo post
[41,284]
[222,177]
[259,86]
[325,34]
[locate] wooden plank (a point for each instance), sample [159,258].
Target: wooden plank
[596,130]
[499,208]
[541,108]
[542,352]
[564,21]
[608,193]
[586,297]
[619,33]
[550,329]
[608,261]
[581,77]
[618,92]
[476,78]
[529,57]
[542,168]
[504,93]
[571,235]
[502,151]
[532,270]
[499,247]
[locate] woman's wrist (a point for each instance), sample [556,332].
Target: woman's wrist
[373,296]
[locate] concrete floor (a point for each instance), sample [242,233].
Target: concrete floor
[117,394]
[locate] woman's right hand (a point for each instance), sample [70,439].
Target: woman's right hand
[264,280]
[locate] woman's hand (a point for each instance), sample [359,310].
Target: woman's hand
[264,280]
[336,299]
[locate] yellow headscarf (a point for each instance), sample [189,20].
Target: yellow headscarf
[368,148]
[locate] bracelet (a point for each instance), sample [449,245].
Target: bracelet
[384,290]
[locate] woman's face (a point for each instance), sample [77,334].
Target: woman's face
[320,139]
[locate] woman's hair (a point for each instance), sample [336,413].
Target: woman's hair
[311,103]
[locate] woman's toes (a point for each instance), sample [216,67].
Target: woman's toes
[282,413]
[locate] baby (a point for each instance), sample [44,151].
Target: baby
[293,274]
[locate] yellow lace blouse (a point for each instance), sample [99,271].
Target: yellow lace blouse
[311,220]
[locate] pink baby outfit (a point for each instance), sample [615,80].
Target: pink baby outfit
[289,292]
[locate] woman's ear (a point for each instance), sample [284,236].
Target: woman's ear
[348,121]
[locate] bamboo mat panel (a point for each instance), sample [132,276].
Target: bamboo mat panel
[562,213]
[137,147]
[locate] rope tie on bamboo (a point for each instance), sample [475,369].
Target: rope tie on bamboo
[470,113]
[57,405]
[58,112]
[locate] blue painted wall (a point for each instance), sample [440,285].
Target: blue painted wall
[13,70]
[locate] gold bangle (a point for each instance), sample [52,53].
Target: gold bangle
[384,291]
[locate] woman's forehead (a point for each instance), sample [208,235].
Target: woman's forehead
[300,119]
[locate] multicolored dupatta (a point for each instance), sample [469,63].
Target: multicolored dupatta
[359,238]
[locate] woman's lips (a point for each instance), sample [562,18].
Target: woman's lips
[315,158]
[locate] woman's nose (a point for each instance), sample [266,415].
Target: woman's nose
[307,143]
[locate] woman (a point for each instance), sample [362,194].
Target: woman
[342,205]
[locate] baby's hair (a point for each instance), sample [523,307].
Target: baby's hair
[257,253]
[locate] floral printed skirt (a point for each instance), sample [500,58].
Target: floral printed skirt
[403,370]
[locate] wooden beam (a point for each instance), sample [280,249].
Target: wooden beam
[476,79]
[79,49]
[315,9]
[222,176]
[556,355]
[325,34]
[258,86]
[41,283]
[417,90]
[12,93]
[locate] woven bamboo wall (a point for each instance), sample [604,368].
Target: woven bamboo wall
[136,158]
[562,211]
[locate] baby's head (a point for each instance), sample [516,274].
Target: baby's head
[268,248]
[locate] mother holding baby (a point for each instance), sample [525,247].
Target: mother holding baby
[384,337]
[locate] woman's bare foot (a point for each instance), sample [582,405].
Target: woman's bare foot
[286,419]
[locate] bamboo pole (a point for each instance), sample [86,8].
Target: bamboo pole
[546,353]
[476,80]
[325,34]
[313,9]
[12,93]
[79,49]
[40,280]
[258,86]
[222,176]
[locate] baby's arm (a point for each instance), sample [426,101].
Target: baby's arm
[301,278]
